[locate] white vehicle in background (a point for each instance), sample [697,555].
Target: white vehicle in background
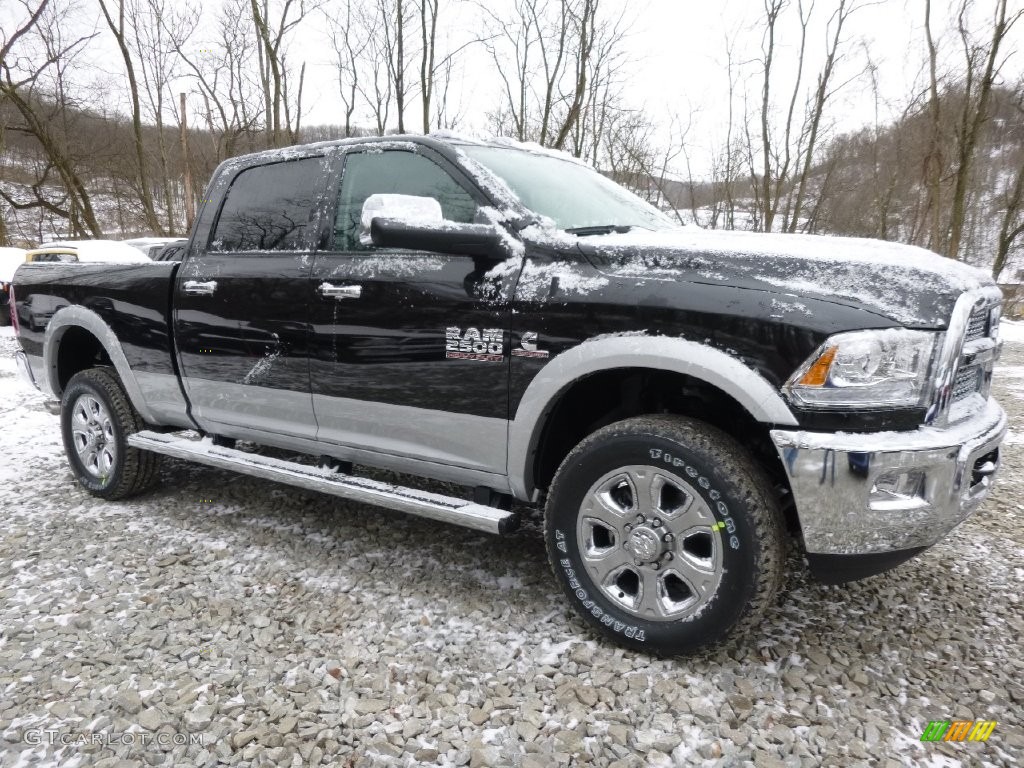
[10,260]
[93,251]
[151,246]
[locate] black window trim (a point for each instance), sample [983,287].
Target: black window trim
[310,244]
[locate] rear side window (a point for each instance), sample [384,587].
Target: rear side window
[268,208]
[394,172]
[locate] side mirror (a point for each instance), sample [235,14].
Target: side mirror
[483,240]
[411,209]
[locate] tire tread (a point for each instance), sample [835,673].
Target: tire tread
[755,492]
[140,471]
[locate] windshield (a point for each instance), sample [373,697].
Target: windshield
[573,195]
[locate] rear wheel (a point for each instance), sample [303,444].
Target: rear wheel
[96,420]
[664,534]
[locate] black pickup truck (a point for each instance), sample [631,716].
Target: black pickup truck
[684,404]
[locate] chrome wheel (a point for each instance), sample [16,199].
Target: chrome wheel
[92,432]
[650,543]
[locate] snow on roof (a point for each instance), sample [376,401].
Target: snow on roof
[10,260]
[102,251]
[147,242]
[486,139]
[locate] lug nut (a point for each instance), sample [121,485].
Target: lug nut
[668,556]
[655,565]
[637,563]
[628,527]
[667,538]
[640,519]
[656,523]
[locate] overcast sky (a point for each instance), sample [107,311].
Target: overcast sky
[677,54]
[676,59]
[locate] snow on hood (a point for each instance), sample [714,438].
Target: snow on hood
[907,284]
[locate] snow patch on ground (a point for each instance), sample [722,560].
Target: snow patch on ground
[1012,331]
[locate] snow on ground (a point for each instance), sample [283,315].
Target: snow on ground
[281,627]
[1012,331]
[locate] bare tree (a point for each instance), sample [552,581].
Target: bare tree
[436,66]
[349,47]
[120,31]
[35,57]
[822,92]
[393,17]
[158,66]
[1011,198]
[274,23]
[556,61]
[933,160]
[983,66]
[222,71]
[776,156]
[512,43]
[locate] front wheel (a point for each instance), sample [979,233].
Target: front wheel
[96,419]
[664,534]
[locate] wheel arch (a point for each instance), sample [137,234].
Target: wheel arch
[83,325]
[615,358]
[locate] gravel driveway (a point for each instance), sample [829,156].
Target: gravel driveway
[240,622]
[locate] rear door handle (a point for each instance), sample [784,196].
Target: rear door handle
[197,288]
[339,292]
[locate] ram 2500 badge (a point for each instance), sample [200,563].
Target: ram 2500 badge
[683,404]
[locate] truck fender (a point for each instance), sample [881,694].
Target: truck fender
[77,316]
[746,386]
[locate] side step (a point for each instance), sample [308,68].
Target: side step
[445,509]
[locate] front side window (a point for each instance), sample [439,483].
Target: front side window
[268,208]
[394,172]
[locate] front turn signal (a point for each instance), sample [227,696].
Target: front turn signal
[817,374]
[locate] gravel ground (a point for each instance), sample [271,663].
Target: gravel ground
[278,627]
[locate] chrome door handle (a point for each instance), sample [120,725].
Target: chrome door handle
[197,288]
[340,292]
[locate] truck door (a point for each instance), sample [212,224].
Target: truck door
[242,299]
[410,348]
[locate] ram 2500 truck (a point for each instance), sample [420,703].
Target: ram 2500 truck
[682,403]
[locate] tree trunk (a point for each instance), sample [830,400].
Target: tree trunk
[146,197]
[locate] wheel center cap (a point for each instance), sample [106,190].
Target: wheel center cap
[644,544]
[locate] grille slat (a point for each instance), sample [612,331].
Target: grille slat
[966,383]
[977,326]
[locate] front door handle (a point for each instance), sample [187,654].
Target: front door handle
[339,292]
[197,288]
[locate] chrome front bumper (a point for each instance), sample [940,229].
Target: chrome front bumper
[839,483]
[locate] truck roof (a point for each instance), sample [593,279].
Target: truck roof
[442,141]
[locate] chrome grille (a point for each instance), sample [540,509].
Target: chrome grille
[977,326]
[967,356]
[967,382]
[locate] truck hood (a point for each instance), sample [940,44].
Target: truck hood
[906,284]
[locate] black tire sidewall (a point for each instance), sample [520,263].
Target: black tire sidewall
[738,541]
[81,384]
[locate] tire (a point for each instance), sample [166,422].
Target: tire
[96,419]
[705,561]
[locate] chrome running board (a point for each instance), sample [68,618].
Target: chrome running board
[446,509]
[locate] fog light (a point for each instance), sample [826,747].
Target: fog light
[899,490]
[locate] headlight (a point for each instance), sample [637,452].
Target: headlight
[886,368]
